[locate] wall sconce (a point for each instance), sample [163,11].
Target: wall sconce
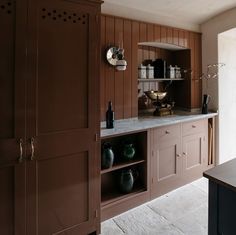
[212,71]
[115,57]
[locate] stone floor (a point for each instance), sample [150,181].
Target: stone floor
[182,211]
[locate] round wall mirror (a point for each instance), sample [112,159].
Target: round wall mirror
[112,55]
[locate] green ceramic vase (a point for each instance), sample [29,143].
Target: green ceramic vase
[129,151]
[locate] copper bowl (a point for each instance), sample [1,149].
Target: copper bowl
[155,95]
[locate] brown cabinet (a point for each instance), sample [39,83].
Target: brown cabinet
[194,154]
[179,155]
[165,157]
[194,148]
[49,163]
[12,117]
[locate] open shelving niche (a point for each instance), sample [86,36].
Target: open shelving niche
[174,55]
[110,192]
[159,79]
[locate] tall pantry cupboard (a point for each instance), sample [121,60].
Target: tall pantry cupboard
[49,120]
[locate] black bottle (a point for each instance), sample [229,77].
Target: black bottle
[109,116]
[206,99]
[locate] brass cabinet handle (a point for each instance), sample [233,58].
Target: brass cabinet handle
[32,149]
[20,159]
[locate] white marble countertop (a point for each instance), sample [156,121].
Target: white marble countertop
[148,122]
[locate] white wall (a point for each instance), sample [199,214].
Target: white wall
[227,97]
[210,31]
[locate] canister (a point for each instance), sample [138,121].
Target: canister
[150,71]
[142,71]
[171,72]
[177,72]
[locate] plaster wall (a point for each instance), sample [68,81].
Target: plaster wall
[210,31]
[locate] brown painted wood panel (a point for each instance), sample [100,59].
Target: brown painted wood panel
[143,38]
[186,39]
[119,76]
[7,198]
[164,34]
[109,76]
[198,65]
[192,48]
[62,81]
[194,152]
[135,40]
[12,119]
[152,53]
[164,175]
[176,36]
[143,32]
[157,33]
[150,32]
[181,38]
[103,69]
[64,72]
[55,192]
[198,55]
[146,32]
[7,24]
[128,73]
[169,35]
[196,88]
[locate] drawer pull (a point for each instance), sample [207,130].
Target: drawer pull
[178,155]
[184,153]
[20,159]
[193,126]
[167,132]
[32,157]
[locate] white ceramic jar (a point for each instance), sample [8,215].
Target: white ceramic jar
[150,72]
[142,72]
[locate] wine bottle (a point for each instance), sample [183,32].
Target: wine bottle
[109,116]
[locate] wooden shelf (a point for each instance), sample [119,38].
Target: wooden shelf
[122,165]
[167,46]
[160,79]
[113,196]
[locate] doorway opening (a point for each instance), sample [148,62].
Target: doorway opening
[227,95]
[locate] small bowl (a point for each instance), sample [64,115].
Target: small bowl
[155,95]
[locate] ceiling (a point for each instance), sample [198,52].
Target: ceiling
[186,14]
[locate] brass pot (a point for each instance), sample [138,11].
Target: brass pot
[155,95]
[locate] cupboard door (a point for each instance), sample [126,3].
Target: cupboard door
[194,155]
[12,118]
[166,164]
[62,118]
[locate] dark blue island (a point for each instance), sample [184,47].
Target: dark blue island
[222,199]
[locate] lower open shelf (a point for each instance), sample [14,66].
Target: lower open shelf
[116,195]
[110,190]
[122,165]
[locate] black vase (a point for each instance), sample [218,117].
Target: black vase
[126,181]
[107,156]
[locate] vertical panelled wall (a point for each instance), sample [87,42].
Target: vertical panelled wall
[122,87]
[119,87]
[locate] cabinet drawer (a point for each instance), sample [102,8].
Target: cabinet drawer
[168,132]
[194,127]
